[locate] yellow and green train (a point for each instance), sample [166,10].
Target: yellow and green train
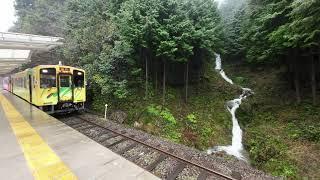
[52,88]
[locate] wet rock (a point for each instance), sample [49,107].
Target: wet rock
[138,124]
[118,116]
[247,92]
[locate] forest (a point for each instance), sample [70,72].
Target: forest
[155,59]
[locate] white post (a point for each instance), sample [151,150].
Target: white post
[105,111]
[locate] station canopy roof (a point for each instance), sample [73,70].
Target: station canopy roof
[16,48]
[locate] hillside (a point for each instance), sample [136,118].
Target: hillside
[154,61]
[281,136]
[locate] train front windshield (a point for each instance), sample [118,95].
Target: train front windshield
[48,78]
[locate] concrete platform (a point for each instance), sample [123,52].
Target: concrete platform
[35,145]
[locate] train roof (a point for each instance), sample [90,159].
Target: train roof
[43,66]
[46,66]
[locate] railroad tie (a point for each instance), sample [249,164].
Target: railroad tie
[153,165]
[146,151]
[175,173]
[79,125]
[85,127]
[203,175]
[71,124]
[127,148]
[115,143]
[109,137]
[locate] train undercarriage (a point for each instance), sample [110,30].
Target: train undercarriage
[63,107]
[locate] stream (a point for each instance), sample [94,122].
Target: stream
[236,148]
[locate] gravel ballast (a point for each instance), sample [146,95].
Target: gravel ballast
[222,163]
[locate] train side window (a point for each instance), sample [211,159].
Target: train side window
[48,78]
[78,78]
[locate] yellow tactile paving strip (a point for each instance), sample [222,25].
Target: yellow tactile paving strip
[42,160]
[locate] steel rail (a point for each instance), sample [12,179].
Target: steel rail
[162,151]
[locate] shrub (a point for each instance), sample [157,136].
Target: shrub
[299,130]
[164,113]
[191,118]
[269,152]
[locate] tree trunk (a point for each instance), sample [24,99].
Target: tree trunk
[156,78]
[164,84]
[290,71]
[186,81]
[313,81]
[297,78]
[146,88]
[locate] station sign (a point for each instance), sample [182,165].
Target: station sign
[64,70]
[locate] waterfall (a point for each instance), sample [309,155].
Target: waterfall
[236,148]
[218,68]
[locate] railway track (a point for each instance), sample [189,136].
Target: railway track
[162,163]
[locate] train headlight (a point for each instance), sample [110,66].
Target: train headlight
[79,73]
[45,70]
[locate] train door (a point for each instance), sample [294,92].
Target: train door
[79,92]
[65,88]
[30,88]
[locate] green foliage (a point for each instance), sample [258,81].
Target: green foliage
[240,80]
[164,113]
[302,29]
[299,130]
[281,135]
[191,118]
[191,121]
[40,17]
[172,133]
[233,14]
[111,39]
[93,43]
[207,132]
[262,148]
[269,152]
[269,29]
[169,128]
[283,168]
[170,29]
